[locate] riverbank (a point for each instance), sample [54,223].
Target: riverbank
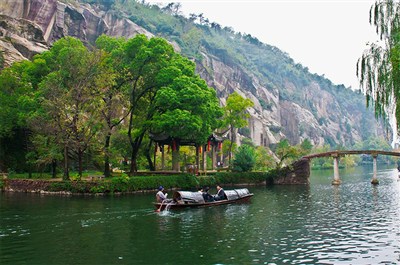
[125,184]
[298,173]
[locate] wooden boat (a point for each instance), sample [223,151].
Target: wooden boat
[188,199]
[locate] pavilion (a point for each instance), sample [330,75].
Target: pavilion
[214,145]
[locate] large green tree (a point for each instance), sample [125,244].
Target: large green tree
[379,67]
[144,59]
[70,99]
[114,88]
[16,103]
[187,108]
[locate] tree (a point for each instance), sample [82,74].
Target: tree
[284,151]
[144,60]
[187,108]
[306,146]
[69,98]
[245,159]
[17,101]
[378,69]
[264,159]
[235,116]
[16,93]
[114,87]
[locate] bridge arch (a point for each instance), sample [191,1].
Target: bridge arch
[337,154]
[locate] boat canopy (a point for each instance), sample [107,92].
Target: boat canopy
[197,197]
[188,196]
[236,194]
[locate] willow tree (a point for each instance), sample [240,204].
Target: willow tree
[378,69]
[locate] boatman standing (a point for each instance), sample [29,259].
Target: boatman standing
[160,196]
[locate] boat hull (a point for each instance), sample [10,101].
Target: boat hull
[172,205]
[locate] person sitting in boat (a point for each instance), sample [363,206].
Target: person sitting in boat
[220,194]
[207,196]
[160,196]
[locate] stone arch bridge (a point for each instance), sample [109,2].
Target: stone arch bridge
[299,171]
[337,154]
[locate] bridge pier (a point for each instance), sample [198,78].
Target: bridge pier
[336,155]
[336,178]
[374,178]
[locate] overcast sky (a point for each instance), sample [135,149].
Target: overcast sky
[327,36]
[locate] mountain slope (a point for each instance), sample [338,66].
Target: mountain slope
[289,101]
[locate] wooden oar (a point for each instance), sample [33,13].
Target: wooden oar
[159,209]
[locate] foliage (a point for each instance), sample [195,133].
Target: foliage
[187,108]
[245,131]
[235,116]
[125,183]
[379,67]
[69,100]
[306,146]
[284,151]
[245,159]
[17,98]
[264,159]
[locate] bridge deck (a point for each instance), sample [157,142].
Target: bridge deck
[352,152]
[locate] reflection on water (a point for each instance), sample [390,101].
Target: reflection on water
[354,223]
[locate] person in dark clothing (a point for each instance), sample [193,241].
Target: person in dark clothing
[220,194]
[207,196]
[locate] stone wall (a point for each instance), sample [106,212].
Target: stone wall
[296,173]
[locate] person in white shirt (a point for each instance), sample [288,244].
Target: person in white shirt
[160,196]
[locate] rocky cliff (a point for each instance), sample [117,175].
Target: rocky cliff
[288,110]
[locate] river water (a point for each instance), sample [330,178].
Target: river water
[354,223]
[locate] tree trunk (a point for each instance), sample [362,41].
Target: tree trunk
[54,168]
[233,138]
[107,171]
[148,157]
[66,169]
[175,160]
[204,159]
[2,156]
[135,151]
[197,158]
[80,162]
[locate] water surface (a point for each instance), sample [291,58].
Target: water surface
[354,223]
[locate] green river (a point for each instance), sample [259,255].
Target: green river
[354,223]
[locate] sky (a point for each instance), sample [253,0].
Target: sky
[327,36]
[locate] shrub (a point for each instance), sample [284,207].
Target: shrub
[181,181]
[245,159]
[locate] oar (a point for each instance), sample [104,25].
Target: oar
[159,209]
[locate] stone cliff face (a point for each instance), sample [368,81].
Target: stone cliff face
[283,118]
[30,27]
